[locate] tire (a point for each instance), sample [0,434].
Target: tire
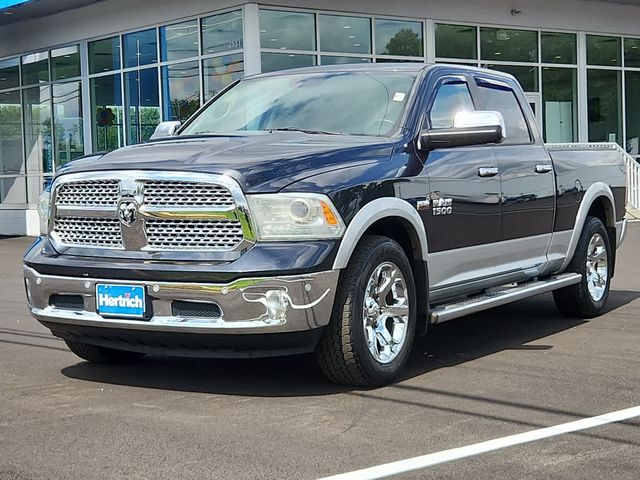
[96,354]
[352,350]
[588,298]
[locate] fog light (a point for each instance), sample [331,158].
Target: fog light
[277,303]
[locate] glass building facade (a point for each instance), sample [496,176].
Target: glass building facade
[99,94]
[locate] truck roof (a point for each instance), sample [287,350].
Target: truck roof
[382,67]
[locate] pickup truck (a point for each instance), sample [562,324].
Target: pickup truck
[340,210]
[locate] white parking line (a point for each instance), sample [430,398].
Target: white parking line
[423,461]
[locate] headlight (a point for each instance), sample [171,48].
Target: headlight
[295,216]
[44,210]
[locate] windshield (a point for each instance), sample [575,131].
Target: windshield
[355,103]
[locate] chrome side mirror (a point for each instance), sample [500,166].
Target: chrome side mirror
[165,129]
[480,118]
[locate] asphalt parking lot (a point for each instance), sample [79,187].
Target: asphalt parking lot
[510,370]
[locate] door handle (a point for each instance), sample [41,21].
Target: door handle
[488,171]
[544,168]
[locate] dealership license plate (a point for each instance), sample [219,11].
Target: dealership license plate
[120,300]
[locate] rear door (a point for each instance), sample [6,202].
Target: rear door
[462,213]
[526,172]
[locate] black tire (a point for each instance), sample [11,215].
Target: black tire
[94,353]
[343,353]
[576,300]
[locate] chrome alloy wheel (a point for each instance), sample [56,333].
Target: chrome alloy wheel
[597,267]
[385,312]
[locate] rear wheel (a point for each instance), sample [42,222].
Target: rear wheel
[94,353]
[369,338]
[592,259]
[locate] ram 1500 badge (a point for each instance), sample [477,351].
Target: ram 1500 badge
[337,210]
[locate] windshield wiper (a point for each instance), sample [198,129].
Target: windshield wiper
[303,130]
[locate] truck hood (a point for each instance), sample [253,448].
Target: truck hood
[260,162]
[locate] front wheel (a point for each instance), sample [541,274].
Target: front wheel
[593,260]
[369,338]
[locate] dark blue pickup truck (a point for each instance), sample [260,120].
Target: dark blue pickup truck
[337,210]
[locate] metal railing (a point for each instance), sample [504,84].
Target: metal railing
[632,166]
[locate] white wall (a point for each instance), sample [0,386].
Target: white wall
[112,16]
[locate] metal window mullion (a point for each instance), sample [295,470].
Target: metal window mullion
[583,96]
[125,108]
[251,39]
[87,117]
[429,40]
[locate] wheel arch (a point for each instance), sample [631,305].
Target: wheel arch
[399,220]
[597,201]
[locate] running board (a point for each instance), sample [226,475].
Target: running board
[501,296]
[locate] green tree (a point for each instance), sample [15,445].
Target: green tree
[405,43]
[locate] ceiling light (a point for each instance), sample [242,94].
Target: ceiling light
[497,53]
[263,30]
[347,26]
[274,40]
[356,44]
[352,36]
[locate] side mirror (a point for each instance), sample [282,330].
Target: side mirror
[469,128]
[165,129]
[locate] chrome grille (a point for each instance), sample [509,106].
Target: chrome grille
[193,234]
[93,193]
[164,214]
[89,232]
[186,194]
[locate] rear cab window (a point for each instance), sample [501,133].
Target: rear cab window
[501,98]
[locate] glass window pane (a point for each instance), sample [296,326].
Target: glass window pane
[9,74]
[456,41]
[35,68]
[395,60]
[451,99]
[10,133]
[65,62]
[632,84]
[526,76]
[67,117]
[345,34]
[220,72]
[222,32]
[287,30]
[13,190]
[560,105]
[179,41]
[106,106]
[632,52]
[395,37]
[558,47]
[604,50]
[604,92]
[37,128]
[142,103]
[272,62]
[104,55]
[504,101]
[340,60]
[181,90]
[140,48]
[509,45]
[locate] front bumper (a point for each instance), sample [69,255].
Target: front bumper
[248,306]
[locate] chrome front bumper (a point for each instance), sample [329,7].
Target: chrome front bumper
[251,305]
